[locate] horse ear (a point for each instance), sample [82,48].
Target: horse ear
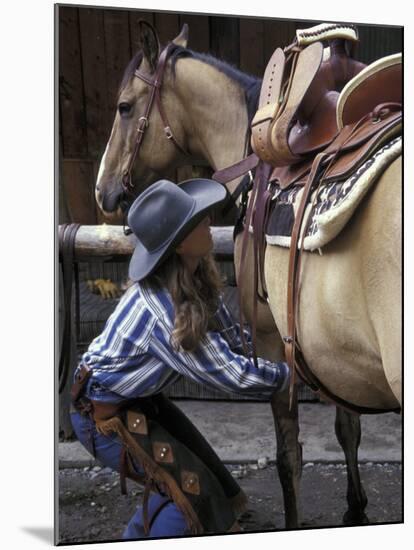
[149,43]
[182,38]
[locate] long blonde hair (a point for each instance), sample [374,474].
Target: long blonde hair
[195,297]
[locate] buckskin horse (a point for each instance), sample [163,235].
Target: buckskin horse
[195,109]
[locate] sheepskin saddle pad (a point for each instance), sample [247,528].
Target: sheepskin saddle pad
[333,205]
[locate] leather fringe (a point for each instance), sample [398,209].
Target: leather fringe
[153,471]
[106,427]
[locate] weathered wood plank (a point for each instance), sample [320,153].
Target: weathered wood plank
[63,212]
[252,58]
[78,183]
[225,39]
[376,42]
[118,52]
[72,115]
[109,240]
[199,31]
[278,34]
[167,25]
[95,86]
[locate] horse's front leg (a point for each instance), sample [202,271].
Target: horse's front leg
[288,454]
[348,433]
[286,421]
[270,346]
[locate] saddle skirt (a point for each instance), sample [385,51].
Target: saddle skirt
[333,203]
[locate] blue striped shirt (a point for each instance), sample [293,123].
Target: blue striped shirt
[133,356]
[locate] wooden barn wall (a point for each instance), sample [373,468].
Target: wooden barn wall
[94,47]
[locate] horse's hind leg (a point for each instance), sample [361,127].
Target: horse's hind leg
[289,454]
[348,433]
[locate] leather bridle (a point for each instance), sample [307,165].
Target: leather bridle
[155,83]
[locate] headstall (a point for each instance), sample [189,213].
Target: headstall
[155,82]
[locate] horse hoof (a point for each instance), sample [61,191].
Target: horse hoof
[355,518]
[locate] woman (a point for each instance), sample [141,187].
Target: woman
[171,322]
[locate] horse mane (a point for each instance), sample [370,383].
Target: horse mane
[250,84]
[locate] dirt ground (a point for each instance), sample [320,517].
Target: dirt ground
[92,508]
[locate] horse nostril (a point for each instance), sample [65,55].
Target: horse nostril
[110,200]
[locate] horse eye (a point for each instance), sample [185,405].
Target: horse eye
[124,108]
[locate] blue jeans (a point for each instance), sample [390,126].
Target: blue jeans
[168,522]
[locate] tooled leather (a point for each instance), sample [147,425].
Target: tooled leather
[352,155]
[268,105]
[307,65]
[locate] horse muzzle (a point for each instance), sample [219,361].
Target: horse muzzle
[109,202]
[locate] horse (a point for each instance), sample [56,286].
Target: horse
[198,111]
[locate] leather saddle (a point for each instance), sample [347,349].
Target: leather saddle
[321,114]
[300,90]
[318,120]
[310,100]
[376,89]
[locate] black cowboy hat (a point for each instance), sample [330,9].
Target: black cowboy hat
[163,215]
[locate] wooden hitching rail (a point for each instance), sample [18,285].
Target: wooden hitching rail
[109,240]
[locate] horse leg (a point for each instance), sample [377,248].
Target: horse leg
[348,433]
[288,455]
[286,422]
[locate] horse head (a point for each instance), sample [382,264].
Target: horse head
[141,147]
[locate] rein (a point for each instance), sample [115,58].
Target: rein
[143,122]
[67,236]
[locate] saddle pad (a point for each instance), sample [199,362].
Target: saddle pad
[334,206]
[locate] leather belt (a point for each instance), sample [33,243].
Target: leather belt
[98,410]
[103,411]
